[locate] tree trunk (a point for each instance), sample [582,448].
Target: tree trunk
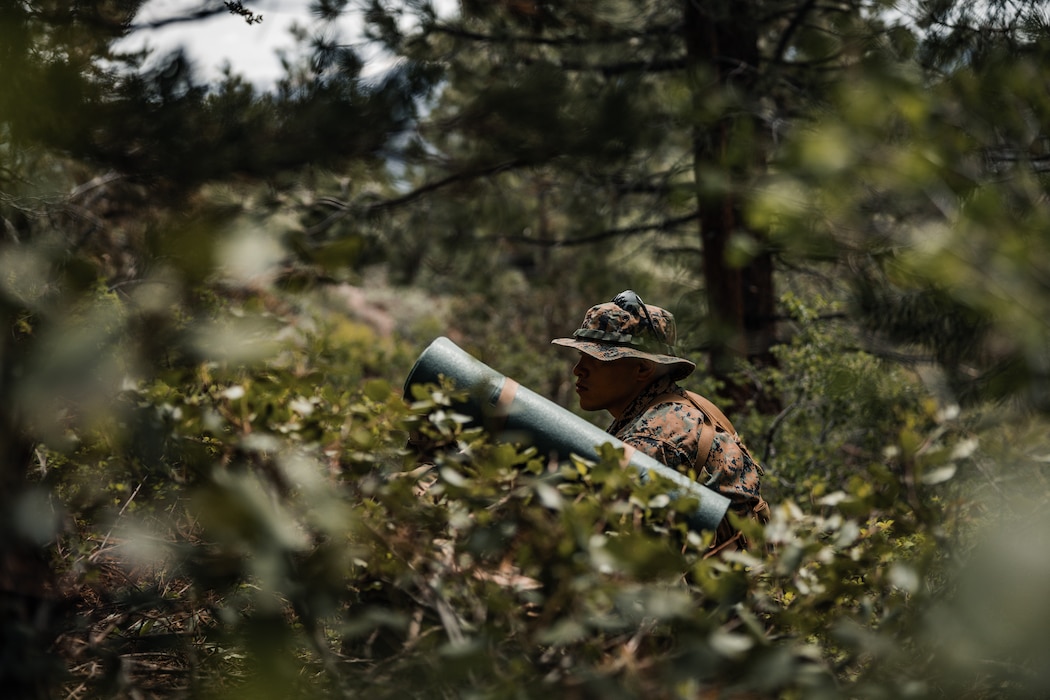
[722,49]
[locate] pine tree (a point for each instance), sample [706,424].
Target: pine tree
[618,129]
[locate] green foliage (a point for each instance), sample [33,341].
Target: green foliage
[934,200]
[319,533]
[212,486]
[843,407]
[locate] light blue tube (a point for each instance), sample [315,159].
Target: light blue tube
[514,413]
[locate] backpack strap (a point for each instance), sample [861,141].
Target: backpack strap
[714,419]
[712,411]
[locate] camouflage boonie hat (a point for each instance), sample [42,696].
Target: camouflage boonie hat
[626,327]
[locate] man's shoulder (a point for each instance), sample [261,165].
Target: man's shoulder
[667,415]
[676,403]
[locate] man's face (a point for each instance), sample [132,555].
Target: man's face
[606,385]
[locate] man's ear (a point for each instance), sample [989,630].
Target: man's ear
[645,370]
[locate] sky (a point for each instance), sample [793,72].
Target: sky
[250,50]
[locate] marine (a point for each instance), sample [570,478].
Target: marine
[628,366]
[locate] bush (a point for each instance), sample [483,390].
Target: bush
[288,525]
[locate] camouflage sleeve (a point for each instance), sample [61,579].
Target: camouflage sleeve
[731,472]
[664,432]
[661,450]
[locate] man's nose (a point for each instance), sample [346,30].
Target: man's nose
[578,368]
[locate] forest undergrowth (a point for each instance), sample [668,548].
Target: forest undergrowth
[298,528]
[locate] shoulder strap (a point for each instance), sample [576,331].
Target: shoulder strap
[713,419]
[722,422]
[709,409]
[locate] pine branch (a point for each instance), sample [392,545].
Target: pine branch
[567,40]
[665,225]
[344,208]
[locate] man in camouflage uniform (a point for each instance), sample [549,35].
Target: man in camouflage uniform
[628,366]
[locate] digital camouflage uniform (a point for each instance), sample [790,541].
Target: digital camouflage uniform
[662,421]
[668,430]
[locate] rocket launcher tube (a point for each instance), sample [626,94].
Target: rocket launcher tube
[514,413]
